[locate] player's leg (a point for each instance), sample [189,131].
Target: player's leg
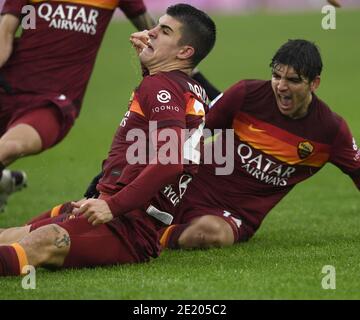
[73,243]
[26,134]
[15,234]
[19,141]
[202,232]
[30,133]
[59,210]
[10,235]
[205,232]
[45,246]
[202,228]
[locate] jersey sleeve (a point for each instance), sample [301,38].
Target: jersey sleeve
[162,101]
[345,153]
[13,7]
[224,108]
[132,8]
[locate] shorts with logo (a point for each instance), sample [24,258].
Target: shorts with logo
[52,116]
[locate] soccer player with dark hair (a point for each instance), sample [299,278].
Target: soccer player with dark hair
[44,73]
[283,135]
[164,123]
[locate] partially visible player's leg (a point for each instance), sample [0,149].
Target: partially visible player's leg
[19,141]
[205,232]
[45,246]
[59,210]
[203,228]
[10,235]
[27,134]
[73,243]
[15,234]
[30,133]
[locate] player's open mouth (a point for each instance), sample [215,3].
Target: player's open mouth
[285,101]
[149,49]
[150,46]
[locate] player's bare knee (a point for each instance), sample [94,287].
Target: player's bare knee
[10,150]
[191,237]
[47,246]
[212,231]
[19,141]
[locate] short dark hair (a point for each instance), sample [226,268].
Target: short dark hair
[304,56]
[198,29]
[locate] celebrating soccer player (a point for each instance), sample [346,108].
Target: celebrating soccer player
[44,73]
[283,135]
[153,157]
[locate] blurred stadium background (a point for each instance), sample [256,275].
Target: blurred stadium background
[317,225]
[234,7]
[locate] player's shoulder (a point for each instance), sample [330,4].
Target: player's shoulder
[160,79]
[251,87]
[325,119]
[257,87]
[325,114]
[175,82]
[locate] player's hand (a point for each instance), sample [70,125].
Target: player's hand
[335,3]
[140,40]
[95,210]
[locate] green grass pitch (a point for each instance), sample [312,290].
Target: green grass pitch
[318,224]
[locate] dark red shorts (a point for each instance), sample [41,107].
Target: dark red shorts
[52,119]
[126,239]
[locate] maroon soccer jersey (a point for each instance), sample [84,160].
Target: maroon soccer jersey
[57,57]
[170,99]
[272,153]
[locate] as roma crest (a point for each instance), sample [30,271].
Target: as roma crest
[305,149]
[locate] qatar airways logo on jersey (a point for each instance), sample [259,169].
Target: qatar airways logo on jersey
[63,17]
[262,168]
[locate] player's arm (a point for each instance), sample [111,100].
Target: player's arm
[8,26]
[146,185]
[154,177]
[224,108]
[135,11]
[143,22]
[335,3]
[345,153]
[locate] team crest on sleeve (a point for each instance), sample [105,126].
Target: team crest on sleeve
[164,96]
[305,149]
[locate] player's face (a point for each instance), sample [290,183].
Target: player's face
[163,46]
[292,92]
